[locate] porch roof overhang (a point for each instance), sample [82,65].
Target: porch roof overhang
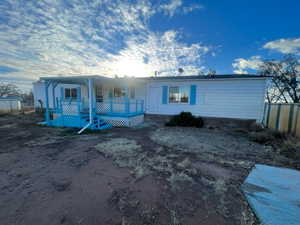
[82,79]
[73,79]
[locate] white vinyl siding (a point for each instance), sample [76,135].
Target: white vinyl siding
[39,92]
[9,105]
[236,98]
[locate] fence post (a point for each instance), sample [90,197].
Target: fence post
[278,117]
[291,116]
[268,115]
[296,120]
[264,114]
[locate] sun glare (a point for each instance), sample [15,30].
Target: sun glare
[136,68]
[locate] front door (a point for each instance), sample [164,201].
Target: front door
[153,100]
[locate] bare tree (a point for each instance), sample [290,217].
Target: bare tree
[27,97]
[9,89]
[211,72]
[285,74]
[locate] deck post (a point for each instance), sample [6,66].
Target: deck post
[136,106]
[111,104]
[126,102]
[90,91]
[126,105]
[47,114]
[91,99]
[53,95]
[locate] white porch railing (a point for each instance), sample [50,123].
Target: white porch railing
[120,106]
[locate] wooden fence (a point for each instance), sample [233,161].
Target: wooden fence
[283,117]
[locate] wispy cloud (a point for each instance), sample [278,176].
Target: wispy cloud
[177,6]
[161,51]
[286,46]
[241,65]
[171,7]
[47,37]
[188,9]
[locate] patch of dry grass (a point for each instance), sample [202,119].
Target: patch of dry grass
[128,153]
[267,136]
[281,143]
[123,151]
[177,179]
[46,140]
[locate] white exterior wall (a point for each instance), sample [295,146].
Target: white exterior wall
[39,93]
[234,98]
[9,105]
[227,98]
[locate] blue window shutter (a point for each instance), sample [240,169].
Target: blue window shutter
[193,92]
[78,93]
[164,94]
[62,93]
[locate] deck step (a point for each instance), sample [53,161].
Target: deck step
[99,124]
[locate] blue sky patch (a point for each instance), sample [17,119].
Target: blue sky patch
[137,38]
[5,69]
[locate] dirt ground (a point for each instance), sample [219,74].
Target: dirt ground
[147,175]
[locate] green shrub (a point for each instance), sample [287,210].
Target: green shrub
[185,119]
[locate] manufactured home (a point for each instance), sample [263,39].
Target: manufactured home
[99,102]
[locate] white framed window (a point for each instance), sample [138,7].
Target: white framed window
[179,94]
[119,92]
[70,92]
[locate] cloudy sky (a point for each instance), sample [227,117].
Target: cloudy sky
[139,37]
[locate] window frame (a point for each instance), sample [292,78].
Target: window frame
[180,87]
[122,91]
[99,94]
[71,92]
[129,92]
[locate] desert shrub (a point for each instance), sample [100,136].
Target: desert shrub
[277,134]
[267,136]
[291,148]
[256,127]
[261,137]
[185,119]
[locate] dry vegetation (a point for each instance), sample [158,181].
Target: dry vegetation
[150,174]
[190,159]
[282,144]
